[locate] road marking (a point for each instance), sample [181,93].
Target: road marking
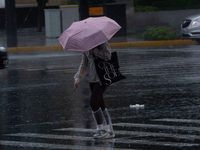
[55,146]
[111,142]
[157,126]
[35,69]
[137,133]
[50,136]
[178,120]
[115,140]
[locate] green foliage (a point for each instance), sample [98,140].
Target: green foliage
[75,2]
[161,33]
[97,2]
[92,2]
[167,4]
[145,8]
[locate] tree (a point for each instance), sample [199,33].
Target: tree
[11,24]
[84,9]
[96,2]
[41,6]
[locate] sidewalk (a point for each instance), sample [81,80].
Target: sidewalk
[33,41]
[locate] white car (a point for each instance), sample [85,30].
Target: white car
[190,28]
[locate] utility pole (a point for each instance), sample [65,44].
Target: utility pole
[11,25]
[41,6]
[84,9]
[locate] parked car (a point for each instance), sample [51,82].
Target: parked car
[3,57]
[190,28]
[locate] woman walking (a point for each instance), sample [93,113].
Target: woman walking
[100,113]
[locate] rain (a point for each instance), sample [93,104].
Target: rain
[158,101]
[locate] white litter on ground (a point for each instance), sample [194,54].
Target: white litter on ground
[137,106]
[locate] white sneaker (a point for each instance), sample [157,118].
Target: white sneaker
[109,135]
[100,134]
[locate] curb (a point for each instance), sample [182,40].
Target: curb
[143,44]
[152,44]
[31,49]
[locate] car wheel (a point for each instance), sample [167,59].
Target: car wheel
[198,41]
[3,58]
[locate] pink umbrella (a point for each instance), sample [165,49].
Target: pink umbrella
[89,33]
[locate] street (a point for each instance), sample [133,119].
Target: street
[40,110]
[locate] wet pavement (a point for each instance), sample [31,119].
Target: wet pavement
[39,109]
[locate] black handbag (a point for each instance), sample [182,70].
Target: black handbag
[108,71]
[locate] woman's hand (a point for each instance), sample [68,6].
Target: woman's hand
[76,84]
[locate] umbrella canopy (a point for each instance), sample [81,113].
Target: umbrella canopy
[88,33]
